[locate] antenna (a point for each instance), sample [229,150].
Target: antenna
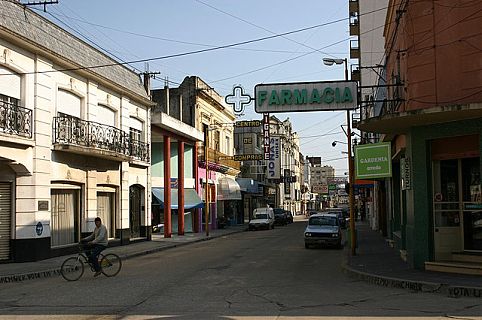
[41,3]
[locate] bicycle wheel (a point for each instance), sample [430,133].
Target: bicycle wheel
[111,264]
[72,269]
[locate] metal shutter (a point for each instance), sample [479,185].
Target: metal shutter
[5,218]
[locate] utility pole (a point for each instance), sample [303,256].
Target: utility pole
[351,176]
[147,81]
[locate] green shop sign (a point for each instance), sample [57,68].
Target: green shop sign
[305,96]
[373,161]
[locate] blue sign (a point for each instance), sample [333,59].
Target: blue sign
[39,228]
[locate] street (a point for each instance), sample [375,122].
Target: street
[255,275]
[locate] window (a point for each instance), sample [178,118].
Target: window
[135,130]
[106,115]
[69,104]
[10,100]
[9,84]
[217,135]
[8,114]
[228,146]
[64,224]
[106,211]
[135,134]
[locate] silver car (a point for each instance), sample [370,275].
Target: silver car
[323,229]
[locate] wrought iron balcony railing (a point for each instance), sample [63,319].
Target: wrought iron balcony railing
[140,150]
[74,131]
[15,120]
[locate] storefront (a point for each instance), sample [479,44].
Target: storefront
[457,207]
[191,202]
[229,202]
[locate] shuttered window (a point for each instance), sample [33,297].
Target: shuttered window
[9,83]
[106,115]
[69,104]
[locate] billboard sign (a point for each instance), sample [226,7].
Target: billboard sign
[306,96]
[373,161]
[274,162]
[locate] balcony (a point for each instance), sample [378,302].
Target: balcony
[355,72]
[355,120]
[219,161]
[140,151]
[353,7]
[354,49]
[15,120]
[80,136]
[354,28]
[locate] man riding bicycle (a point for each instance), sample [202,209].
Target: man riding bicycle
[96,242]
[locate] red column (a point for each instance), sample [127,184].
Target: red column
[180,189]
[167,187]
[195,166]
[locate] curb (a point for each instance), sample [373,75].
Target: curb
[56,271]
[448,290]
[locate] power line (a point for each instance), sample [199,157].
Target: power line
[278,63]
[95,45]
[207,49]
[334,116]
[321,135]
[176,55]
[260,27]
[178,41]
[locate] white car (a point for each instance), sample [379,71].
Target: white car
[263,218]
[323,229]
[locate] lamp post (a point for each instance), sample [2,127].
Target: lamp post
[351,195]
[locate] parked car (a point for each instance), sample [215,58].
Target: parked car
[289,216]
[263,218]
[280,217]
[323,229]
[341,214]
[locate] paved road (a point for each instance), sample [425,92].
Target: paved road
[255,275]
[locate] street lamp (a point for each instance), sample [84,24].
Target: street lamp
[351,196]
[333,144]
[331,61]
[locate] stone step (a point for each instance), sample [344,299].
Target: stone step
[454,267]
[467,257]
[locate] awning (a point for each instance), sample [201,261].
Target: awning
[248,185]
[191,198]
[228,189]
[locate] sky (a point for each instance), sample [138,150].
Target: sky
[300,34]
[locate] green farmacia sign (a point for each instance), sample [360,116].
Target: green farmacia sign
[305,96]
[373,161]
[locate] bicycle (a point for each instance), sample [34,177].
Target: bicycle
[73,267]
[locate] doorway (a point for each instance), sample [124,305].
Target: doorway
[457,211]
[5,219]
[135,208]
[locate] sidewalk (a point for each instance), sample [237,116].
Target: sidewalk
[375,262]
[378,263]
[14,272]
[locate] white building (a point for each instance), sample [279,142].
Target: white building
[367,48]
[288,190]
[72,141]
